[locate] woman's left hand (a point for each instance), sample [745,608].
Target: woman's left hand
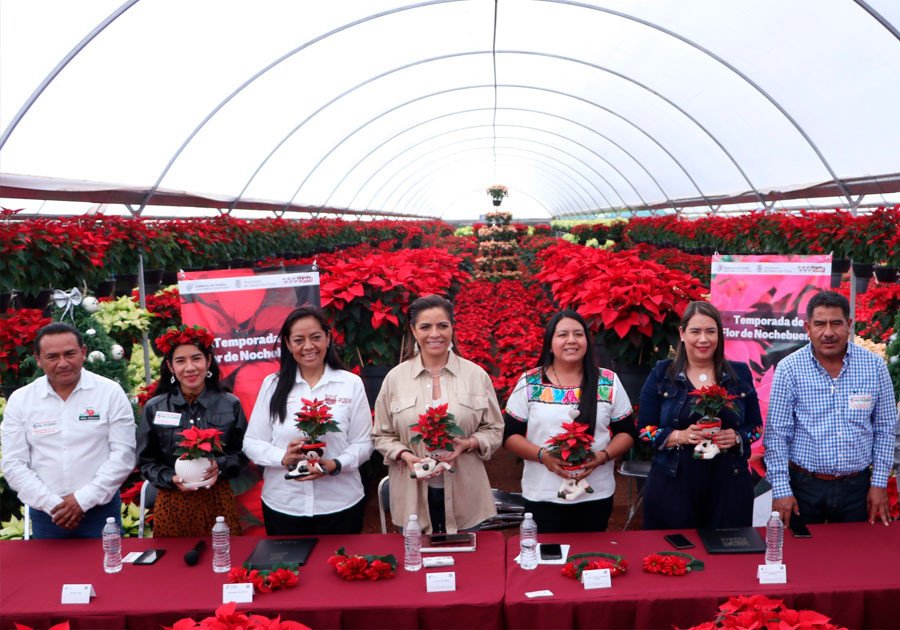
[725,438]
[211,473]
[460,446]
[599,459]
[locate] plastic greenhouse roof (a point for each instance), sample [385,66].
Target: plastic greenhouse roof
[415,108]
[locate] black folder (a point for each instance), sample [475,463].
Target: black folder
[272,552]
[738,540]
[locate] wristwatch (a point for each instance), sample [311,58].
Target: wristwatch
[337,467]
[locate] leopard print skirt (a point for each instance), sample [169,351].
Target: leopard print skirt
[177,513]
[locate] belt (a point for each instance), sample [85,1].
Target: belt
[823,476]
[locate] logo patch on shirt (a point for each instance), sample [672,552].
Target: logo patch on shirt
[330,398]
[344,400]
[89,415]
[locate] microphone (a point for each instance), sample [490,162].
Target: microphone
[192,557]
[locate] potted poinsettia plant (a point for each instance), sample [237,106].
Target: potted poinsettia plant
[436,429]
[498,192]
[709,401]
[315,420]
[194,452]
[573,446]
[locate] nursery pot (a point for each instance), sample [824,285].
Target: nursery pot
[373,377]
[191,472]
[863,270]
[496,202]
[840,265]
[886,274]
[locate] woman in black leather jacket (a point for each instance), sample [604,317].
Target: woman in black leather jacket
[682,491]
[188,395]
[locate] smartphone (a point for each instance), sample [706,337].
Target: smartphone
[551,551]
[440,540]
[150,556]
[799,528]
[679,541]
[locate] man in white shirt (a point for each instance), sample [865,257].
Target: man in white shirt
[68,440]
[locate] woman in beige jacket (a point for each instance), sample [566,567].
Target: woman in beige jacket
[432,373]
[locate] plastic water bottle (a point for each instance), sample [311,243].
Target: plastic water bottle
[774,539]
[528,558]
[221,544]
[112,546]
[412,540]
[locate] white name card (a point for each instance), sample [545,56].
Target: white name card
[239,593]
[772,574]
[131,557]
[596,578]
[533,594]
[77,593]
[440,582]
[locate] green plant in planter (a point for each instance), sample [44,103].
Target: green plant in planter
[892,352]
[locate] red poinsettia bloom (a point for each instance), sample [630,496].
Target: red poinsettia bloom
[653,563]
[710,400]
[353,568]
[739,603]
[436,428]
[674,565]
[573,444]
[315,419]
[199,442]
[379,569]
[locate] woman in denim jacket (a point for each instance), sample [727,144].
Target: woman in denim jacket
[681,491]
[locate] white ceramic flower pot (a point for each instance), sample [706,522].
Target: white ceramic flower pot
[191,472]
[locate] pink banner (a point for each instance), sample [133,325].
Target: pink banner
[763,304]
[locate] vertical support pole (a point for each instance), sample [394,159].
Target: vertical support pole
[142,296]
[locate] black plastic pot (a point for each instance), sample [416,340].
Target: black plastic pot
[840,265]
[105,288]
[125,284]
[41,299]
[886,274]
[863,270]
[373,378]
[5,299]
[497,202]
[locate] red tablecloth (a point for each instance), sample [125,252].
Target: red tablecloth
[850,572]
[32,574]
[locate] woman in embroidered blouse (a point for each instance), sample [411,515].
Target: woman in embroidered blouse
[189,395]
[326,502]
[550,395]
[432,373]
[682,492]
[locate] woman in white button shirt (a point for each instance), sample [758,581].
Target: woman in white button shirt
[328,502]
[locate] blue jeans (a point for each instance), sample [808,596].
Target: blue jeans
[91,526]
[838,501]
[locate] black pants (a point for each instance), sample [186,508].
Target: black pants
[586,516]
[837,501]
[349,521]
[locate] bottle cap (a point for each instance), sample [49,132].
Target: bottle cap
[528,515]
[778,514]
[220,519]
[110,519]
[413,517]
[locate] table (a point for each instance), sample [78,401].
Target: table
[850,572]
[32,574]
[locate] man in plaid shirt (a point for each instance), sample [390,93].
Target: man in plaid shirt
[830,429]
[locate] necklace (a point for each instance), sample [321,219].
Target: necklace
[559,382]
[435,372]
[703,377]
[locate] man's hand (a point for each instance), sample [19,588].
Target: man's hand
[67,514]
[877,504]
[785,506]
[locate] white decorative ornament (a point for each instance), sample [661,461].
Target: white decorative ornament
[90,332]
[894,359]
[574,413]
[96,356]
[117,352]
[90,304]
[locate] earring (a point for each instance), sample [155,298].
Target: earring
[451,346]
[416,348]
[208,373]
[172,380]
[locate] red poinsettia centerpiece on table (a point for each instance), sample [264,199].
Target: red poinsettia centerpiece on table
[592,560]
[264,581]
[573,446]
[362,567]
